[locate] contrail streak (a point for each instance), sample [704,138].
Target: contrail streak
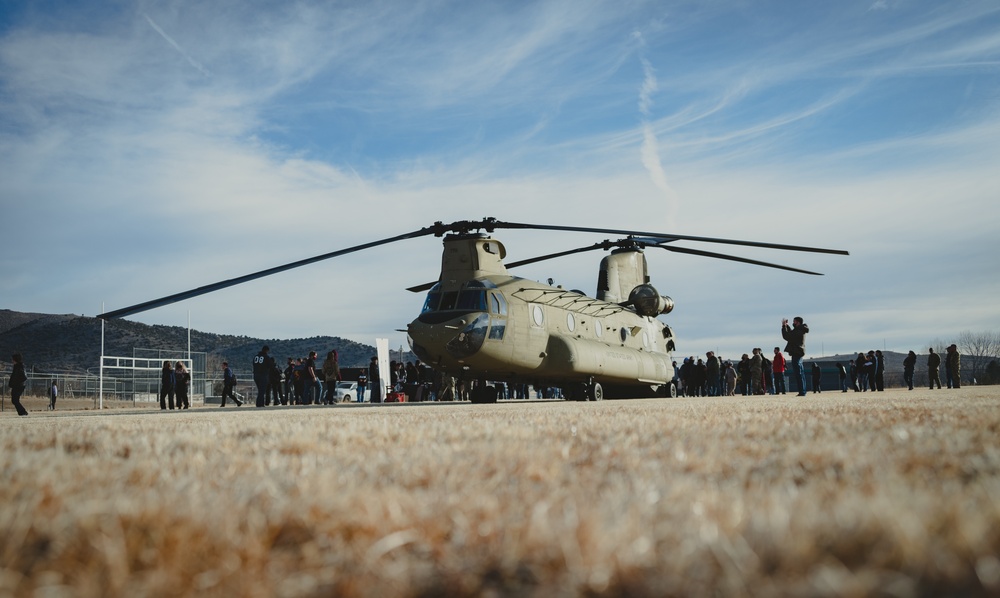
[177,47]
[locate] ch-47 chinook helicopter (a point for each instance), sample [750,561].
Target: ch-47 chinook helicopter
[481,323]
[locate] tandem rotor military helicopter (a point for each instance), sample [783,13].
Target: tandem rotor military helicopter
[479,322]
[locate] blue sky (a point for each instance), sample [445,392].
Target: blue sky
[151,147]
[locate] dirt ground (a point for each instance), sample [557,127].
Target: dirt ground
[857,494]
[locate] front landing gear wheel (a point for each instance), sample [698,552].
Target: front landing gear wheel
[595,392]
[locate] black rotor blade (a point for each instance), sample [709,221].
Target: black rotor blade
[666,237]
[147,305]
[542,258]
[603,245]
[420,288]
[733,258]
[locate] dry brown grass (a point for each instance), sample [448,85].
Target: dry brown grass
[836,495]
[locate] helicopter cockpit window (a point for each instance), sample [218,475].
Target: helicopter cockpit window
[431,303]
[448,300]
[472,297]
[472,300]
[498,305]
[433,299]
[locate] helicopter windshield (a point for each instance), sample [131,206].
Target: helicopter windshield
[471,297]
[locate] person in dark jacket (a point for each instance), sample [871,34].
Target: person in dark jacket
[228,382]
[167,385]
[713,367]
[952,367]
[871,367]
[817,377]
[289,383]
[182,381]
[17,382]
[795,335]
[933,371]
[262,365]
[879,371]
[743,371]
[274,386]
[375,383]
[861,364]
[909,363]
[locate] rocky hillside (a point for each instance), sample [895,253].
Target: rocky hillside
[70,344]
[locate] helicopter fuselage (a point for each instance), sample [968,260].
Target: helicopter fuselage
[479,322]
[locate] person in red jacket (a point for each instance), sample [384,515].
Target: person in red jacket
[778,368]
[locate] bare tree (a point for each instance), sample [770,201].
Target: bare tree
[978,349]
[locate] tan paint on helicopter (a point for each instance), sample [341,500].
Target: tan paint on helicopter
[550,350]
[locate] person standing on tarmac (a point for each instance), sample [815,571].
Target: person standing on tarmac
[879,371]
[182,382]
[933,371]
[908,364]
[53,395]
[167,385]
[274,385]
[375,385]
[262,364]
[228,382]
[778,369]
[796,347]
[312,390]
[17,382]
[952,367]
[331,374]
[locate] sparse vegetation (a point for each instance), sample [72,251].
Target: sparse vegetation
[68,343]
[885,494]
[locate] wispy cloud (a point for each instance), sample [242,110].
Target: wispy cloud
[289,132]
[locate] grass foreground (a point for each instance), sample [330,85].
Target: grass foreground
[894,493]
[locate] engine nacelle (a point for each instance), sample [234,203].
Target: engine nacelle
[649,302]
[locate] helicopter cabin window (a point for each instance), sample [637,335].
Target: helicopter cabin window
[645,339]
[570,322]
[623,333]
[598,328]
[537,316]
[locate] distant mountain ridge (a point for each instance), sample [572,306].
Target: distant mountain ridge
[72,344]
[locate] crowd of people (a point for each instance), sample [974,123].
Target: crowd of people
[755,374]
[301,383]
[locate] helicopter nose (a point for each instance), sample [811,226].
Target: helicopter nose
[469,339]
[459,337]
